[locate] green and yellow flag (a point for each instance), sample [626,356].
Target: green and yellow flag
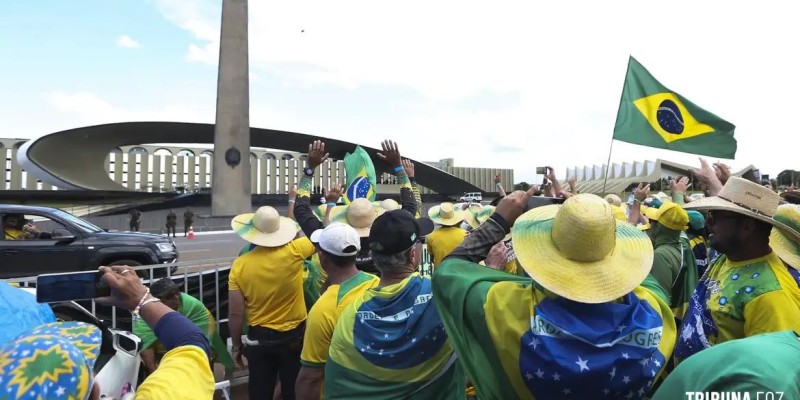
[361,177]
[652,115]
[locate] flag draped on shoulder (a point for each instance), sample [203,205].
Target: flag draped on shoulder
[391,344]
[361,177]
[652,115]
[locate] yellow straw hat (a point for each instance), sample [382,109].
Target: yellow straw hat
[580,252]
[265,227]
[613,199]
[476,214]
[446,214]
[389,205]
[360,214]
[786,248]
[749,199]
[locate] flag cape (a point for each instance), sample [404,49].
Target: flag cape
[194,310]
[652,115]
[361,178]
[517,341]
[686,281]
[391,345]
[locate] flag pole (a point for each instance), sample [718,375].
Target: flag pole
[608,165]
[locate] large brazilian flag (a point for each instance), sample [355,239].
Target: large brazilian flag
[361,177]
[652,115]
[391,344]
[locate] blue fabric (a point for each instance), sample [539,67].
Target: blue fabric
[19,312]
[400,332]
[591,351]
[175,330]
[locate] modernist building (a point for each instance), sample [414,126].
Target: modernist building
[169,168]
[590,179]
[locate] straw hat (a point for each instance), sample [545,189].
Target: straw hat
[613,199]
[389,205]
[786,248]
[791,196]
[749,199]
[265,227]
[579,251]
[476,214]
[360,214]
[446,214]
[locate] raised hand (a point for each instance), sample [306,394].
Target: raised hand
[680,185]
[551,174]
[707,176]
[316,154]
[513,205]
[126,287]
[409,167]
[723,172]
[390,153]
[497,178]
[334,193]
[572,184]
[641,192]
[497,257]
[293,192]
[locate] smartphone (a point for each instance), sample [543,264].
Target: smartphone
[541,170]
[51,288]
[535,202]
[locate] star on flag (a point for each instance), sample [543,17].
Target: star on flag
[582,364]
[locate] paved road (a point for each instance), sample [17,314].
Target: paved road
[209,246]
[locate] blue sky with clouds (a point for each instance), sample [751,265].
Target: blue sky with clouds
[507,84]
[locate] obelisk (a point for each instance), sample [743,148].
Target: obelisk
[230,190]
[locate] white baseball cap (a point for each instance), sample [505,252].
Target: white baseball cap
[338,239]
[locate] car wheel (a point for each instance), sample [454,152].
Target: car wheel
[131,263]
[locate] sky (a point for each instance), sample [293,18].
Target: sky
[505,84]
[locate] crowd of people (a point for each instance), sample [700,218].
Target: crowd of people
[546,293]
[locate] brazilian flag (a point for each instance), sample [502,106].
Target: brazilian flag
[652,115]
[361,178]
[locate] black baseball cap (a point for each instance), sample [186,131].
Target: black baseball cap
[163,287]
[396,231]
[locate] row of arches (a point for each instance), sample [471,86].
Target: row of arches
[189,153]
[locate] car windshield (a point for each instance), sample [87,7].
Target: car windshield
[84,225]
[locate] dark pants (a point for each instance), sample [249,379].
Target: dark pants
[171,228]
[135,226]
[277,354]
[186,226]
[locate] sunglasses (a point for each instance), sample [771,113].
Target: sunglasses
[716,217]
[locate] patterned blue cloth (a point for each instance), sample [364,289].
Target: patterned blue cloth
[19,312]
[592,351]
[400,332]
[53,361]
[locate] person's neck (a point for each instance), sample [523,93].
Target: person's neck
[749,252]
[392,278]
[337,275]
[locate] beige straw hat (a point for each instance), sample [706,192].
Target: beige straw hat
[579,251]
[389,205]
[446,214]
[749,199]
[265,227]
[360,214]
[786,248]
[613,199]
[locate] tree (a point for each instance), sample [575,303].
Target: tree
[522,186]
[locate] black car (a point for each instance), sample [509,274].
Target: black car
[62,242]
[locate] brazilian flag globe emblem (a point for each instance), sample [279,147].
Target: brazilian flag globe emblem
[652,115]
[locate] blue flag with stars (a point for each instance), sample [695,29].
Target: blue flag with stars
[391,344]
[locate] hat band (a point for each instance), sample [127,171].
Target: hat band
[746,207]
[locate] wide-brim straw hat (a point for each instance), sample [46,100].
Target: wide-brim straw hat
[388,204]
[265,227]
[749,199]
[579,251]
[360,214]
[791,196]
[476,214]
[786,248]
[446,214]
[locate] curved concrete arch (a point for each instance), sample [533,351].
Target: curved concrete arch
[44,156]
[161,150]
[186,153]
[138,150]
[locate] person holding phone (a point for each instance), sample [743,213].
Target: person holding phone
[60,356]
[15,227]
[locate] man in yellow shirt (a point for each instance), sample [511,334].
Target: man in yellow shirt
[747,290]
[337,246]
[442,241]
[15,228]
[267,282]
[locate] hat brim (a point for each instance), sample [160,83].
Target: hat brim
[243,226]
[84,336]
[426,226]
[717,203]
[339,214]
[585,282]
[785,248]
[436,216]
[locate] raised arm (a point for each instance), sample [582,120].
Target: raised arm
[500,190]
[639,196]
[391,155]
[302,209]
[332,197]
[409,167]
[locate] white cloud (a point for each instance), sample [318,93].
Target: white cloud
[128,42]
[564,61]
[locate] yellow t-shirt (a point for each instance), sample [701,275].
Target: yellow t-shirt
[323,316]
[14,234]
[184,373]
[270,279]
[443,241]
